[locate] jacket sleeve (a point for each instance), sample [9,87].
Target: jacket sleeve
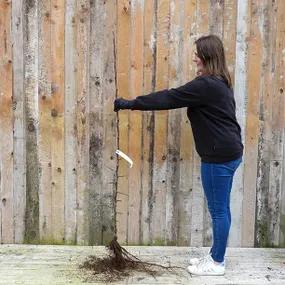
[192,94]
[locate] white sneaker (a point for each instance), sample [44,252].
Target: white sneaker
[195,260]
[207,267]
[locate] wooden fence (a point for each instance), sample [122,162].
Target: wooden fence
[62,64]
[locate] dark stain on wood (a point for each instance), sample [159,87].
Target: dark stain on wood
[32,158]
[31,127]
[95,180]
[30,4]
[54,113]
[32,192]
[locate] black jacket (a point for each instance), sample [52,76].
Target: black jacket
[211,110]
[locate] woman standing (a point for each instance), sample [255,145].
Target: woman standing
[210,106]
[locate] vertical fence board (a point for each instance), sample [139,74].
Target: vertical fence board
[160,124]
[96,122]
[31,123]
[147,120]
[282,213]
[123,50]
[70,161]
[229,34]
[6,125]
[19,182]
[135,121]
[265,118]
[276,160]
[45,134]
[57,113]
[174,118]
[82,120]
[252,124]
[109,119]
[103,126]
[280,89]
[216,17]
[240,91]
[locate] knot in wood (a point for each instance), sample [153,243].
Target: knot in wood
[54,113]
[31,127]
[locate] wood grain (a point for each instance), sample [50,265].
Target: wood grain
[6,125]
[70,142]
[45,120]
[158,226]
[31,125]
[252,125]
[135,122]
[123,87]
[19,148]
[82,121]
[57,121]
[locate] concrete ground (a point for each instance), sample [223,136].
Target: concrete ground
[45,264]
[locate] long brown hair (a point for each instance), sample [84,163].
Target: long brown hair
[210,50]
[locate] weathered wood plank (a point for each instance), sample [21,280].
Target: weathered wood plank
[96,122]
[45,107]
[216,17]
[186,138]
[252,125]
[282,214]
[277,141]
[135,121]
[147,120]
[265,118]
[123,63]
[6,124]
[103,126]
[57,113]
[240,91]
[174,119]
[197,211]
[82,120]
[230,33]
[70,175]
[161,118]
[19,150]
[109,119]
[31,125]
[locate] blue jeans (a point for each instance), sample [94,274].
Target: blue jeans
[217,179]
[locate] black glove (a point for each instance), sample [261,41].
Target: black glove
[121,104]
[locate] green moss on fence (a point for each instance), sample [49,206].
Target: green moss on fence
[282,231]
[49,241]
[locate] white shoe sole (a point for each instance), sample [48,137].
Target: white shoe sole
[191,270]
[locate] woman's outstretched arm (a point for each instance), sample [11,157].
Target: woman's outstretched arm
[192,94]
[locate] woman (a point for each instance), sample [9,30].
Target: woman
[210,106]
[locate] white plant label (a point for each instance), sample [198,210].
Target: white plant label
[124,156]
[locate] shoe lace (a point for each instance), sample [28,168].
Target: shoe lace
[205,263]
[203,260]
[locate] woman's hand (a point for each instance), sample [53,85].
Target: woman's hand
[121,104]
